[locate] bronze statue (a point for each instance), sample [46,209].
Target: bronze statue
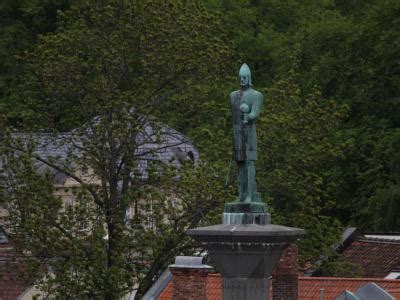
[246,106]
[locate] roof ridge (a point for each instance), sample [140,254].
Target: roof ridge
[374,279]
[378,240]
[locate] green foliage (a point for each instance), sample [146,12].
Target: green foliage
[384,207]
[342,47]
[297,167]
[377,205]
[115,72]
[196,200]
[21,22]
[104,54]
[335,268]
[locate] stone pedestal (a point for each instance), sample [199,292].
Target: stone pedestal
[248,288]
[245,255]
[248,207]
[236,213]
[246,218]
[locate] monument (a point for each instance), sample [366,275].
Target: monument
[246,246]
[245,105]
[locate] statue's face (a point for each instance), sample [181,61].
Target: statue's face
[244,80]
[244,76]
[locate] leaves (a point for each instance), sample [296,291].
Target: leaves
[300,149]
[113,74]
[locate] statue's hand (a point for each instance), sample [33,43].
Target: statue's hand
[245,118]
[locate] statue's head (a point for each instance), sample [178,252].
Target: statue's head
[245,76]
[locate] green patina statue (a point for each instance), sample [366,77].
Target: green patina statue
[246,106]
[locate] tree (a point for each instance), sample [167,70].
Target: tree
[297,171]
[342,48]
[378,206]
[21,23]
[113,73]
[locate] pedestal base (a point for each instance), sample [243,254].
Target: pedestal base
[246,218]
[245,207]
[242,213]
[245,255]
[244,288]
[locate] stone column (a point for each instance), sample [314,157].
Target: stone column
[245,255]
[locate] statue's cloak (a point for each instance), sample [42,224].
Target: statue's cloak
[245,135]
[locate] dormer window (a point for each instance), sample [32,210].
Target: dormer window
[3,237]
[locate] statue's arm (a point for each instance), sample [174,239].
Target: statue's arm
[256,107]
[231,97]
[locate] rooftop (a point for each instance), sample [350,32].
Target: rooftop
[164,144]
[378,256]
[309,287]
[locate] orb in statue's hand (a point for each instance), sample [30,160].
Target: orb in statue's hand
[244,108]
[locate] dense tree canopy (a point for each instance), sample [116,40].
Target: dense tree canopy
[20,25]
[348,49]
[298,169]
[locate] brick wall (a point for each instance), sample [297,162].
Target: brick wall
[285,275]
[189,283]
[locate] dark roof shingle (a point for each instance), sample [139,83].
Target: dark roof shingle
[377,257]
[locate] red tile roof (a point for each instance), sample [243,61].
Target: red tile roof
[309,287]
[377,257]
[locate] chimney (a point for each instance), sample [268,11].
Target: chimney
[285,275]
[189,278]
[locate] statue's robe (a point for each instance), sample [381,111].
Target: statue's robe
[244,135]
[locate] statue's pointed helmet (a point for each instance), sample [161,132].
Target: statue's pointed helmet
[245,72]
